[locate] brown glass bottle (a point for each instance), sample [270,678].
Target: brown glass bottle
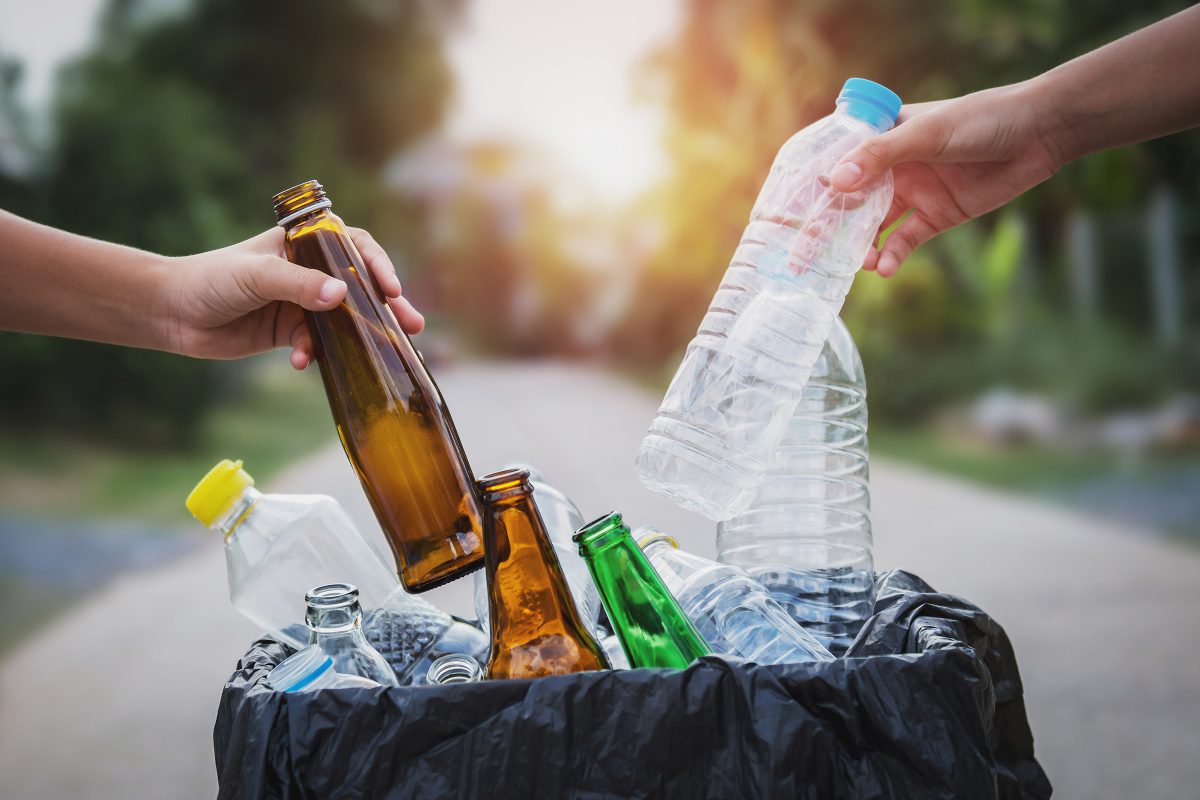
[536,629]
[390,415]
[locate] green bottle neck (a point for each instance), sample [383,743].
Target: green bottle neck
[652,628]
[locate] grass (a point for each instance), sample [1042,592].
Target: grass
[281,416]
[1021,468]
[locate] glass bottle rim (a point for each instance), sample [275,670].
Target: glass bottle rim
[601,532]
[332,595]
[503,484]
[454,668]
[299,200]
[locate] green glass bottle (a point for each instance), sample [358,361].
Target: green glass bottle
[652,628]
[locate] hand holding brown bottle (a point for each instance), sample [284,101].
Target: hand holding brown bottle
[248,298]
[236,301]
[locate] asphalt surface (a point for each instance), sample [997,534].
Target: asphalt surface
[118,698]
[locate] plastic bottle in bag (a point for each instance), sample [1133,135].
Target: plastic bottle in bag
[412,635]
[807,534]
[733,612]
[310,669]
[277,547]
[741,378]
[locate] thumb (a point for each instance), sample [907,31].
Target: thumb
[914,140]
[273,278]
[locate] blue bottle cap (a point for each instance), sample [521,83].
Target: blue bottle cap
[871,102]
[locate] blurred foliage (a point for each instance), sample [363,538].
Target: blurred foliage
[986,303]
[172,135]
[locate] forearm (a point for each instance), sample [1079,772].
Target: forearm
[57,283]
[1142,86]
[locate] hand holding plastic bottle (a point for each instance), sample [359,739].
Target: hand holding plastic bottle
[954,160]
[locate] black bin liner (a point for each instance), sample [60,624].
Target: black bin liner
[926,703]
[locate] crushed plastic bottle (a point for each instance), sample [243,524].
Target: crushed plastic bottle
[412,634]
[738,385]
[733,612]
[807,534]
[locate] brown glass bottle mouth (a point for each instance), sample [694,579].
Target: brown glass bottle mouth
[301,199]
[505,483]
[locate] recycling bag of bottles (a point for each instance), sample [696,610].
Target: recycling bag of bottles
[926,703]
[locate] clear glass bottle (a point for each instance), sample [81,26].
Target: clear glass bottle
[807,535]
[454,668]
[334,620]
[733,612]
[278,546]
[739,382]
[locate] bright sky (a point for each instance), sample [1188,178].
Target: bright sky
[556,76]
[41,35]
[560,76]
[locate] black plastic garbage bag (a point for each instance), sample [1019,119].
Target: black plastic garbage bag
[926,703]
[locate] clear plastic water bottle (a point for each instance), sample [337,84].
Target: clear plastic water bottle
[277,547]
[310,669]
[730,401]
[562,519]
[734,613]
[807,534]
[334,620]
[412,635]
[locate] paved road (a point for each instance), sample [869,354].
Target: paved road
[1105,619]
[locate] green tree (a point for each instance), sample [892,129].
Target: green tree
[173,133]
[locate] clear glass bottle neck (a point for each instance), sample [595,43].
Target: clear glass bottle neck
[324,622]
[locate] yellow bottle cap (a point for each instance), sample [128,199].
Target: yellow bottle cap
[217,491]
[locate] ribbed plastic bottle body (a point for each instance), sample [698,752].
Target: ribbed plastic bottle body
[287,544]
[807,534]
[411,634]
[562,519]
[734,613]
[729,404]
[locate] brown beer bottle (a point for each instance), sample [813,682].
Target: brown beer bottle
[536,628]
[390,415]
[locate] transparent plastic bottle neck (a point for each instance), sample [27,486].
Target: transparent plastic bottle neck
[865,114]
[239,511]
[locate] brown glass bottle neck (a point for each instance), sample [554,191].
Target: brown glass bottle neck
[515,518]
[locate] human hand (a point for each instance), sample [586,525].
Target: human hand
[248,298]
[952,161]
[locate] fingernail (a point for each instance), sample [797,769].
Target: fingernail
[330,290]
[846,175]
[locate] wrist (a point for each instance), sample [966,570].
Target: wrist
[161,310]
[1056,117]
